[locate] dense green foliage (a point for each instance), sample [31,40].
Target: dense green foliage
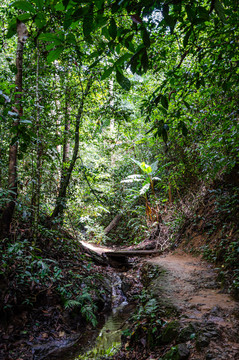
[106,82]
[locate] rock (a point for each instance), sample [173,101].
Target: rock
[179,352]
[170,332]
[187,333]
[202,342]
[183,351]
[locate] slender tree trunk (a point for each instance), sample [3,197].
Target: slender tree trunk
[65,178]
[36,204]
[13,150]
[66,143]
[112,120]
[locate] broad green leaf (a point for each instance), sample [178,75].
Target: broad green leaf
[70,38]
[55,54]
[99,4]
[113,29]
[164,101]
[100,21]
[25,6]
[53,44]
[12,29]
[128,43]
[65,3]
[105,33]
[203,13]
[40,20]
[145,61]
[190,13]
[134,62]
[161,108]
[107,73]
[39,3]
[24,17]
[146,38]
[50,46]
[123,81]
[183,128]
[122,59]
[88,21]
[220,10]
[48,37]
[139,61]
[60,7]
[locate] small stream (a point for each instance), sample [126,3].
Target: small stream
[107,340]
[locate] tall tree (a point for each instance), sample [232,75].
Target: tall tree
[66,174]
[22,35]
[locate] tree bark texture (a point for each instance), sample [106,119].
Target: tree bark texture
[37,188]
[66,142]
[13,149]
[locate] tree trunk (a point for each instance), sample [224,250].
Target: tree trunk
[113,224]
[66,142]
[65,178]
[13,150]
[37,189]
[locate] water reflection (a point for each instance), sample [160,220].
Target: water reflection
[109,338]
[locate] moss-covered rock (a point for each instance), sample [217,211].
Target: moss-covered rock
[170,332]
[187,333]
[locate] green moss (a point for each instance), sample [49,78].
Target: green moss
[170,332]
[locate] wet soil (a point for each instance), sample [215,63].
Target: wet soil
[189,285]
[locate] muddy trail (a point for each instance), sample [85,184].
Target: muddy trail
[189,284]
[205,318]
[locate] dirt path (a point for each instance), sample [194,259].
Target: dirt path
[189,284]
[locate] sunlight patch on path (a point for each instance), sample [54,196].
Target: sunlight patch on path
[98,249]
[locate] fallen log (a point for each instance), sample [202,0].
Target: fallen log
[132,253]
[113,224]
[96,258]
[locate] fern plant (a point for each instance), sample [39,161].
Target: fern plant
[86,305]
